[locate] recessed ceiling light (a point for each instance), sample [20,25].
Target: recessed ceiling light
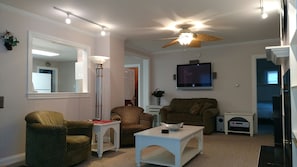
[44,53]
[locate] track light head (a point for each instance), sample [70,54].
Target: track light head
[264,15]
[68,20]
[103,32]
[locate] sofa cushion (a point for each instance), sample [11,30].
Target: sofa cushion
[196,108]
[181,105]
[183,117]
[207,105]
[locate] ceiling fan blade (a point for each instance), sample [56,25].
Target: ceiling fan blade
[205,37]
[170,43]
[195,43]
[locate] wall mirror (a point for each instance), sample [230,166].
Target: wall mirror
[56,67]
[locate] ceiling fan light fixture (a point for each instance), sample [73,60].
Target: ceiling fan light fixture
[185,38]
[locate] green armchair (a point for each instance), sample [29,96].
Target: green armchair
[53,141]
[133,119]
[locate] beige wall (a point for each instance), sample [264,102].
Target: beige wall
[232,63]
[13,78]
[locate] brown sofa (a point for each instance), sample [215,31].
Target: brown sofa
[194,111]
[133,120]
[52,141]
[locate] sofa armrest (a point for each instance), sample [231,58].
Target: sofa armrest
[209,117]
[46,129]
[146,119]
[211,112]
[163,113]
[79,128]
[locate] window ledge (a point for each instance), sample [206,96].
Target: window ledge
[57,95]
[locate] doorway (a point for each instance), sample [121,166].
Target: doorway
[131,85]
[268,86]
[53,72]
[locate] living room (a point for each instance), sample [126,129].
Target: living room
[234,86]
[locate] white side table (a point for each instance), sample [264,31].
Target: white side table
[155,111]
[99,129]
[247,116]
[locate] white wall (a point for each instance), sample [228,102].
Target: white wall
[13,78]
[232,63]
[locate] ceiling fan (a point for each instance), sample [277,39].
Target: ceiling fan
[188,38]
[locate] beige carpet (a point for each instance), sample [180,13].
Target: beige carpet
[220,150]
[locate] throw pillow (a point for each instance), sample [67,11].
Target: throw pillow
[206,105]
[195,109]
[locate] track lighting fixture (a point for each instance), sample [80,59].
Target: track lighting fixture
[103,32]
[264,15]
[68,20]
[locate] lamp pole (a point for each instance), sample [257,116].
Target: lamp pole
[99,77]
[99,60]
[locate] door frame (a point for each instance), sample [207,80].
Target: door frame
[254,88]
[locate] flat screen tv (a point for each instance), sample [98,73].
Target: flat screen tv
[194,76]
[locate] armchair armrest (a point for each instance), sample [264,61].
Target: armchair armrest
[52,140]
[46,129]
[79,128]
[115,117]
[146,119]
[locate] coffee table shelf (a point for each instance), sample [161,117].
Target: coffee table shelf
[163,157]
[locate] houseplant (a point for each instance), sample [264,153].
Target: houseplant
[9,40]
[158,94]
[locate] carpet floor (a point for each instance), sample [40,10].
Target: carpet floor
[233,150]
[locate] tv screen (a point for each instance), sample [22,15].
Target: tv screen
[194,76]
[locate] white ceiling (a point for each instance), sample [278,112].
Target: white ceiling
[142,22]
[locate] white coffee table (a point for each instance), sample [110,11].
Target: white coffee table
[99,129]
[175,142]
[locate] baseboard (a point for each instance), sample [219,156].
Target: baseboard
[12,159]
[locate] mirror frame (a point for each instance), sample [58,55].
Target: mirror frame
[34,95]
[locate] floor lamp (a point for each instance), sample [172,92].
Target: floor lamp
[99,60]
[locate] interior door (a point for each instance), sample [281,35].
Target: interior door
[131,86]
